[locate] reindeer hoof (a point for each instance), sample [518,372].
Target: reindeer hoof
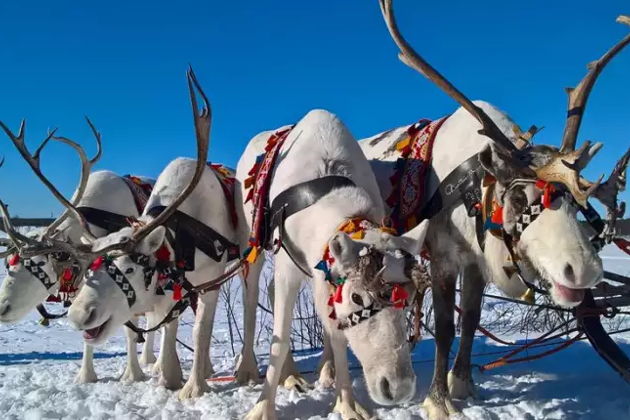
[262,411]
[460,389]
[327,374]
[351,410]
[439,409]
[85,377]
[296,382]
[132,375]
[193,389]
[247,370]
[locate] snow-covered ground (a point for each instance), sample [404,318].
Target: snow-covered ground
[38,365]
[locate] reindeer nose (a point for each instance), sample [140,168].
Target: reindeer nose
[569,274]
[386,390]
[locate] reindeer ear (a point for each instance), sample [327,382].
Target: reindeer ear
[501,165]
[113,238]
[413,240]
[344,250]
[153,241]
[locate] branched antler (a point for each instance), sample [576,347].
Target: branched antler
[34,161]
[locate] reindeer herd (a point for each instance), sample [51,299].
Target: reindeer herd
[475,196]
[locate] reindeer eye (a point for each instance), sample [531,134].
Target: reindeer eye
[356,298]
[129,270]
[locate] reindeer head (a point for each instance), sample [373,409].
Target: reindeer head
[122,279]
[117,285]
[540,224]
[380,274]
[552,246]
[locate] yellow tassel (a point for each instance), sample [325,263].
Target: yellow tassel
[388,229]
[403,143]
[253,254]
[529,296]
[360,234]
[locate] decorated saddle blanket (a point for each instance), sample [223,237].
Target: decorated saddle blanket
[410,174]
[258,184]
[226,177]
[140,190]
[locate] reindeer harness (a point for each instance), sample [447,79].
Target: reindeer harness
[269,217]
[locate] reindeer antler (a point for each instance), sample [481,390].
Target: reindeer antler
[34,161]
[412,59]
[202,123]
[578,96]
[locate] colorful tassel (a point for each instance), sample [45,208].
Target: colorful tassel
[97,263]
[177,292]
[253,255]
[338,294]
[14,259]
[497,214]
[399,297]
[163,254]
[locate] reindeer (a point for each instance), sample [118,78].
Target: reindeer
[22,290]
[126,277]
[550,247]
[320,154]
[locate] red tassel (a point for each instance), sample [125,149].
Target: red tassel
[338,297]
[399,297]
[97,263]
[67,274]
[497,215]
[331,300]
[163,254]
[177,292]
[181,264]
[14,259]
[332,314]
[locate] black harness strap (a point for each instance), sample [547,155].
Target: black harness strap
[104,219]
[462,184]
[191,234]
[174,313]
[295,199]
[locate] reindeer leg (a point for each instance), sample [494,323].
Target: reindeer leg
[287,286]
[148,356]
[460,383]
[133,372]
[196,385]
[438,403]
[170,369]
[86,372]
[246,365]
[326,366]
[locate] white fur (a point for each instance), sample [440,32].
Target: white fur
[101,301]
[320,145]
[21,291]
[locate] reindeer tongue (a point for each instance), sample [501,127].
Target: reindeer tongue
[93,332]
[572,295]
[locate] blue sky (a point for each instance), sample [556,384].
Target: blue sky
[265,64]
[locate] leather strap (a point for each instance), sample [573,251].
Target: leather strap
[295,199]
[190,233]
[104,219]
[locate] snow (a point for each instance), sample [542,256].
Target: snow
[38,365]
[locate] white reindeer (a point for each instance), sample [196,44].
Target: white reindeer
[317,148]
[131,259]
[22,290]
[551,247]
